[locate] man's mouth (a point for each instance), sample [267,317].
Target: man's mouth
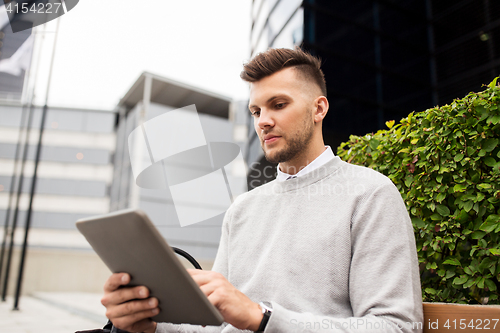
[270,138]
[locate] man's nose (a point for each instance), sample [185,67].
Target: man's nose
[265,119]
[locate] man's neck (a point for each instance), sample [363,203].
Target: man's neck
[302,160]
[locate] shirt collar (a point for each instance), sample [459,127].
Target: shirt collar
[325,157]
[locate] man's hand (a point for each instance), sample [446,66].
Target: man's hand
[125,314]
[236,308]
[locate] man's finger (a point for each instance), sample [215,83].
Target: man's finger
[204,277]
[131,308]
[201,279]
[115,281]
[125,294]
[196,271]
[208,288]
[135,322]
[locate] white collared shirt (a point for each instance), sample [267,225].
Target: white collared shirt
[322,159]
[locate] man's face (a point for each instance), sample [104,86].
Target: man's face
[282,107]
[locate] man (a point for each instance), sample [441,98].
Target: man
[328,245]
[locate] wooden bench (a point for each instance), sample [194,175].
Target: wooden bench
[447,317]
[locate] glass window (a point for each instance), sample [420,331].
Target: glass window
[10,116]
[255,7]
[60,154]
[88,188]
[99,122]
[292,34]
[259,25]
[263,45]
[63,120]
[281,14]
[76,120]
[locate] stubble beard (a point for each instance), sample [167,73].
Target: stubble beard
[294,145]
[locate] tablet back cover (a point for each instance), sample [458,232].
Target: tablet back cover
[127,241]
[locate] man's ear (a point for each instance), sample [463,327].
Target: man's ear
[321,108]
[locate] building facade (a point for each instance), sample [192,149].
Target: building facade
[383,59]
[146,106]
[73,180]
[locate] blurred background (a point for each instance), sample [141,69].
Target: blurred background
[103,68]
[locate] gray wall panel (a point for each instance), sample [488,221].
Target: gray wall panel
[10,116]
[86,188]
[60,154]
[62,119]
[48,220]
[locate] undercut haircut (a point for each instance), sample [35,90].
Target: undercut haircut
[273,60]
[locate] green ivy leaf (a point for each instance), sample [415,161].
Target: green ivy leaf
[443,210]
[468,205]
[495,252]
[493,83]
[458,157]
[440,197]
[459,188]
[450,274]
[494,119]
[490,284]
[460,280]
[493,218]
[430,291]
[488,226]
[478,234]
[374,144]
[435,217]
[418,222]
[408,181]
[480,283]
[490,161]
[489,144]
[452,261]
[469,282]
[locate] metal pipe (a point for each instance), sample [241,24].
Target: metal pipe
[34,179]
[14,180]
[16,210]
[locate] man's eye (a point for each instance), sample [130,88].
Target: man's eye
[280,105]
[256,113]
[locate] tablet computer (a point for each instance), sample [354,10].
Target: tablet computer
[127,241]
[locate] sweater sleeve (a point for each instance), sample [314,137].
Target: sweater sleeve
[220,266]
[384,283]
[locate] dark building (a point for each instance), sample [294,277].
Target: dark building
[384,59]
[11,86]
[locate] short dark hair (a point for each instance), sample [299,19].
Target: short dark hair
[273,60]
